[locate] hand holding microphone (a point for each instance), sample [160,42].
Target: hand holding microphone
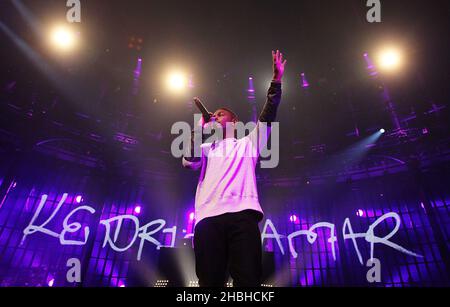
[206,115]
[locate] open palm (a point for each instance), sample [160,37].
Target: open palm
[278,65]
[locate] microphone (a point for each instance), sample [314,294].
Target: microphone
[202,108]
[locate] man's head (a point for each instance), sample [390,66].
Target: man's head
[224,116]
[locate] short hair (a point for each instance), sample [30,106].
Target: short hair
[228,110]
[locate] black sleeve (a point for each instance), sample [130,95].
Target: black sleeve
[269,112]
[192,157]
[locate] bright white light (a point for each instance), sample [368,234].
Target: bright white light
[382,130]
[177,81]
[63,38]
[390,59]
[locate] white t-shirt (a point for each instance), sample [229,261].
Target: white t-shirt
[227,180]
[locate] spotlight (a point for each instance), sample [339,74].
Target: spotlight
[251,88]
[293,218]
[191,216]
[177,82]
[389,59]
[161,283]
[360,212]
[63,38]
[137,209]
[382,130]
[79,199]
[304,82]
[51,282]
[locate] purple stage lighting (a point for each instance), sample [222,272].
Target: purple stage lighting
[293,218]
[136,77]
[305,83]
[191,216]
[360,212]
[137,209]
[372,69]
[79,199]
[50,281]
[251,89]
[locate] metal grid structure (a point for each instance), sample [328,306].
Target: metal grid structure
[363,203]
[40,260]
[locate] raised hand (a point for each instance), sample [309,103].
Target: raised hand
[278,65]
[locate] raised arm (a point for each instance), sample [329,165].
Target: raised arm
[268,115]
[269,111]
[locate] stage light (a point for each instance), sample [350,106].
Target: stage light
[382,131]
[389,59]
[121,284]
[137,209]
[360,212]
[177,82]
[79,199]
[304,82]
[161,283]
[191,216]
[293,218]
[370,66]
[251,87]
[63,38]
[137,76]
[51,282]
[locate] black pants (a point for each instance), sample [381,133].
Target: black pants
[229,243]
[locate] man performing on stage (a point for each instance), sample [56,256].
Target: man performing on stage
[227,209]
